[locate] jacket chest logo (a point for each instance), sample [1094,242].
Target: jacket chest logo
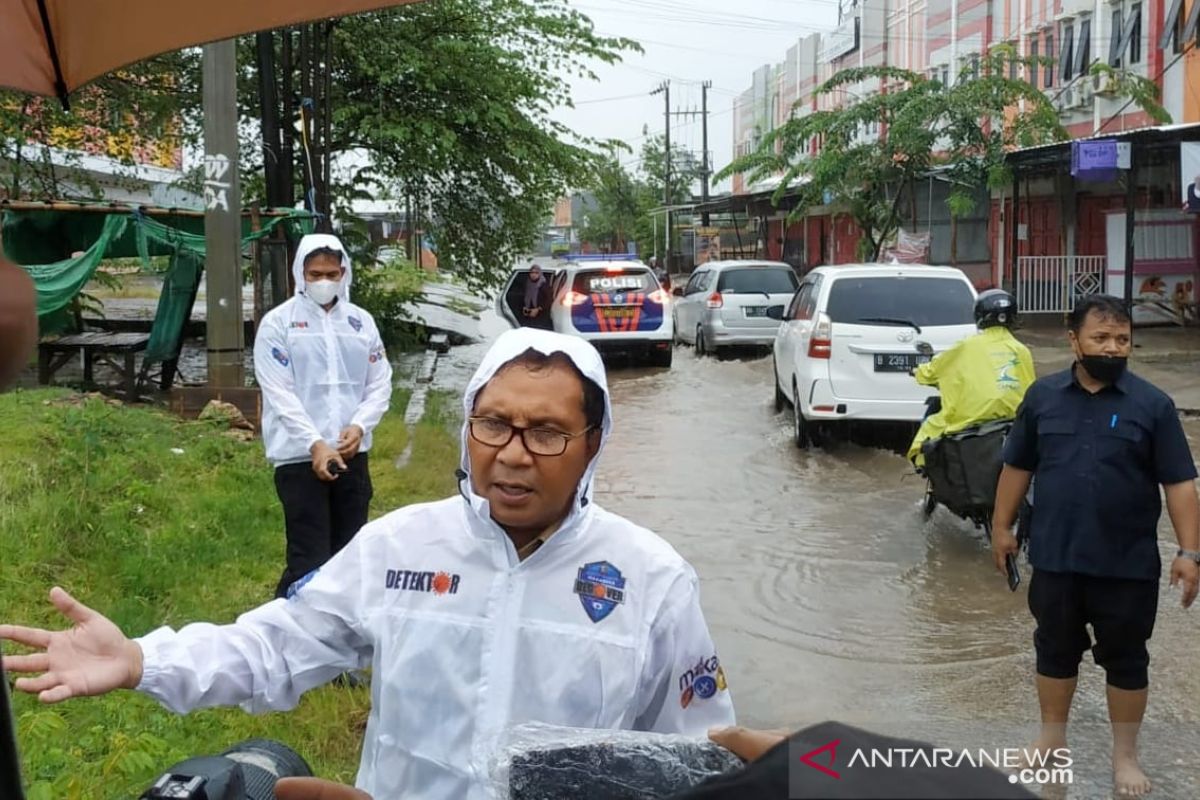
[355,323]
[601,588]
[438,583]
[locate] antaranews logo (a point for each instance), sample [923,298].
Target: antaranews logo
[1042,768]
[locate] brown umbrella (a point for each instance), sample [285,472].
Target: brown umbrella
[53,47]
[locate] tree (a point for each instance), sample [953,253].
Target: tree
[623,205]
[140,113]
[626,200]
[966,130]
[449,102]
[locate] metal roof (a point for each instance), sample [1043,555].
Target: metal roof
[1059,152]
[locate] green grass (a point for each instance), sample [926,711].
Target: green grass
[93,498]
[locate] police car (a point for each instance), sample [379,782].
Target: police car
[617,305]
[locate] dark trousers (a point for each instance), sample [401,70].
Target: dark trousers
[1120,611]
[542,320]
[320,518]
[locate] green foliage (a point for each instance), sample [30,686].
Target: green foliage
[142,112]
[625,200]
[93,498]
[964,130]
[387,292]
[451,101]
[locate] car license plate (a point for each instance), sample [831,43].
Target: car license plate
[898,362]
[617,313]
[755,311]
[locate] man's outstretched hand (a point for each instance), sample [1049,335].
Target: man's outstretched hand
[316,789]
[90,658]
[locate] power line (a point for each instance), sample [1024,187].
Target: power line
[609,99]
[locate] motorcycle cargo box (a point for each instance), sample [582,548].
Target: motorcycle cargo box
[964,467]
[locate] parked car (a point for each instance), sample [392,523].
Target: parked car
[618,306]
[850,336]
[725,304]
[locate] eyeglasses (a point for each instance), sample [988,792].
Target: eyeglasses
[538,441]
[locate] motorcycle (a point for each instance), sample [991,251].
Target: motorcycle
[962,469]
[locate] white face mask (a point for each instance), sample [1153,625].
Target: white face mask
[322,292]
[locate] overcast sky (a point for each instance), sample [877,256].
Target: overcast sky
[686,42]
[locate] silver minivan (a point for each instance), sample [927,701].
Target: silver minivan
[725,304]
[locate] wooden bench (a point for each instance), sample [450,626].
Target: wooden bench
[53,354]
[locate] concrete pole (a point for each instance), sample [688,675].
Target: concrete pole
[222,218]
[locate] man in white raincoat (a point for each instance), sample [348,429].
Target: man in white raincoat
[326,382]
[520,600]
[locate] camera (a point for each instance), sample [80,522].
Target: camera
[246,771]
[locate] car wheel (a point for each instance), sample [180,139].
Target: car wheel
[800,430]
[661,358]
[675,337]
[701,345]
[780,397]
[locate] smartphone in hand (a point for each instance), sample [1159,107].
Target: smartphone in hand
[1014,575]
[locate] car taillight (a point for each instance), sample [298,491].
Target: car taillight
[821,343]
[715,301]
[659,296]
[574,299]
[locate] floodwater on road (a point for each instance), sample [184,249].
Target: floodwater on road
[830,597]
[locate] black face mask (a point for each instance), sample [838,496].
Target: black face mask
[1106,369]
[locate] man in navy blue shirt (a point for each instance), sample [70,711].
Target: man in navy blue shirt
[1099,441]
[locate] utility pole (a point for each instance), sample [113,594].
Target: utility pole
[704,87]
[222,218]
[665,89]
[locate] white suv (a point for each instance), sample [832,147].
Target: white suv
[851,335]
[618,306]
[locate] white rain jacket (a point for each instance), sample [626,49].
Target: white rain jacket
[600,627]
[319,371]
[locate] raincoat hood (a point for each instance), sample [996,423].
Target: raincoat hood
[315,241]
[506,348]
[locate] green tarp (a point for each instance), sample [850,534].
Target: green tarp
[42,241]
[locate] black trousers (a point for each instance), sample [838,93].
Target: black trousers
[1120,611]
[320,518]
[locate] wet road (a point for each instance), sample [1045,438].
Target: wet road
[830,597]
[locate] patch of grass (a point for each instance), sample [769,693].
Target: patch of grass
[93,498]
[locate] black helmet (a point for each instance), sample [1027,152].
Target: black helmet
[995,307]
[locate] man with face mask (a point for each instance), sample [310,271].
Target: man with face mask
[326,382]
[517,600]
[1099,441]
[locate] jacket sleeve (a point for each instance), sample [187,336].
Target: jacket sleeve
[271,655]
[378,392]
[930,373]
[682,687]
[277,380]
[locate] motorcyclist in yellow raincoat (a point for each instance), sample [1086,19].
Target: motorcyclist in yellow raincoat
[980,379]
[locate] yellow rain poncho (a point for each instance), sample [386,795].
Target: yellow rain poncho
[980,379]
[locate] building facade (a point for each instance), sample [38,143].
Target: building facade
[942,39]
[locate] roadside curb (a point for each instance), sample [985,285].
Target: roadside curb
[415,410]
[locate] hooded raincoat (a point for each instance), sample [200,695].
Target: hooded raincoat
[600,627]
[320,371]
[980,379]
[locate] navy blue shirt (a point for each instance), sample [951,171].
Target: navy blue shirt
[1098,461]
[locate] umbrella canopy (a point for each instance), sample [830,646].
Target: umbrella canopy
[52,47]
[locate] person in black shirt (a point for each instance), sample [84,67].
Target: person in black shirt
[535,308]
[1098,441]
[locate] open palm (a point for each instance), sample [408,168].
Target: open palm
[92,657]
